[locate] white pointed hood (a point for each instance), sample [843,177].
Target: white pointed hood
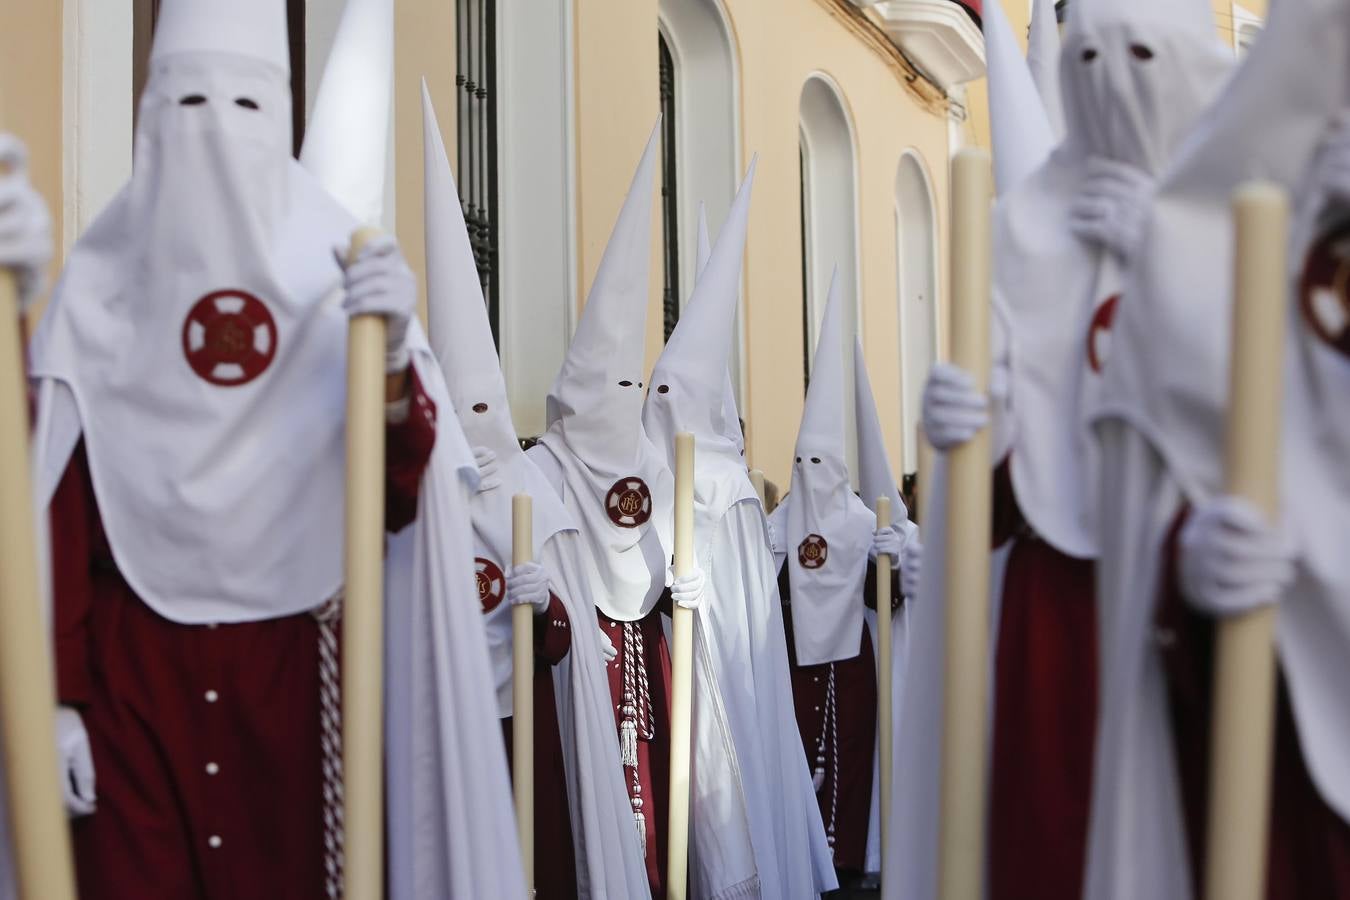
[348,102]
[1269,123]
[731,415]
[1022,136]
[616,482]
[252,28]
[875,478]
[1154,65]
[827,528]
[688,385]
[1043,50]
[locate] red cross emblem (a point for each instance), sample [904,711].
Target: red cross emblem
[491,583]
[812,552]
[1099,334]
[229,338]
[629,503]
[1324,299]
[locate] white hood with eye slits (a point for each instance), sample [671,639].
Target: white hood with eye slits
[828,529]
[616,483]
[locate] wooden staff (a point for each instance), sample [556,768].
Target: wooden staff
[522,688]
[682,677]
[884,700]
[757,480]
[969,485]
[363,613]
[38,829]
[1241,746]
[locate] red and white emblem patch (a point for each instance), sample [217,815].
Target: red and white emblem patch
[1099,334]
[629,503]
[1324,290]
[812,552]
[491,583]
[229,338]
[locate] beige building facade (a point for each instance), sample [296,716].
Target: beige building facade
[854,109]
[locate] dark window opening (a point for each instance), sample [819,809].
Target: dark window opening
[476,84]
[670,220]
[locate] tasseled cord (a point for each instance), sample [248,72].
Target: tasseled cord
[628,742]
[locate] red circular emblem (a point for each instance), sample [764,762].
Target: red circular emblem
[629,503]
[812,552]
[491,583]
[1324,298]
[1099,334]
[229,338]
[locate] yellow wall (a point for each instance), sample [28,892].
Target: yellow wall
[779,45]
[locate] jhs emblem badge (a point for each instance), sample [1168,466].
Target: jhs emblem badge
[1099,334]
[491,583]
[812,552]
[229,338]
[1324,297]
[629,503]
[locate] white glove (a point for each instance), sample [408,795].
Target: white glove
[527,583]
[1232,560]
[486,461]
[953,411]
[380,283]
[77,763]
[25,226]
[687,592]
[911,567]
[607,651]
[1334,168]
[886,541]
[1111,206]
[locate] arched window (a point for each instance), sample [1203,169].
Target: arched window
[829,222]
[916,292]
[670,218]
[700,99]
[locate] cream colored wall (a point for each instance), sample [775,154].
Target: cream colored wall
[778,46]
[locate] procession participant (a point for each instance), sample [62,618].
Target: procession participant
[191,315]
[25,250]
[875,480]
[827,541]
[1062,239]
[758,830]
[583,844]
[618,489]
[1177,554]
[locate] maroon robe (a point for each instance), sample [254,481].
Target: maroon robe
[651,788]
[205,738]
[845,794]
[555,865]
[1309,851]
[1045,714]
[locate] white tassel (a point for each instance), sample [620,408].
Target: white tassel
[628,743]
[818,779]
[641,821]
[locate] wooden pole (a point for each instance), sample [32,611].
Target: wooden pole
[757,480]
[682,677]
[1244,673]
[38,829]
[966,679]
[522,688]
[885,702]
[363,612]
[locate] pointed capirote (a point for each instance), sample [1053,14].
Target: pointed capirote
[704,241]
[1043,50]
[596,399]
[875,477]
[699,349]
[347,140]
[457,319]
[822,426]
[1020,131]
[731,414]
[253,28]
